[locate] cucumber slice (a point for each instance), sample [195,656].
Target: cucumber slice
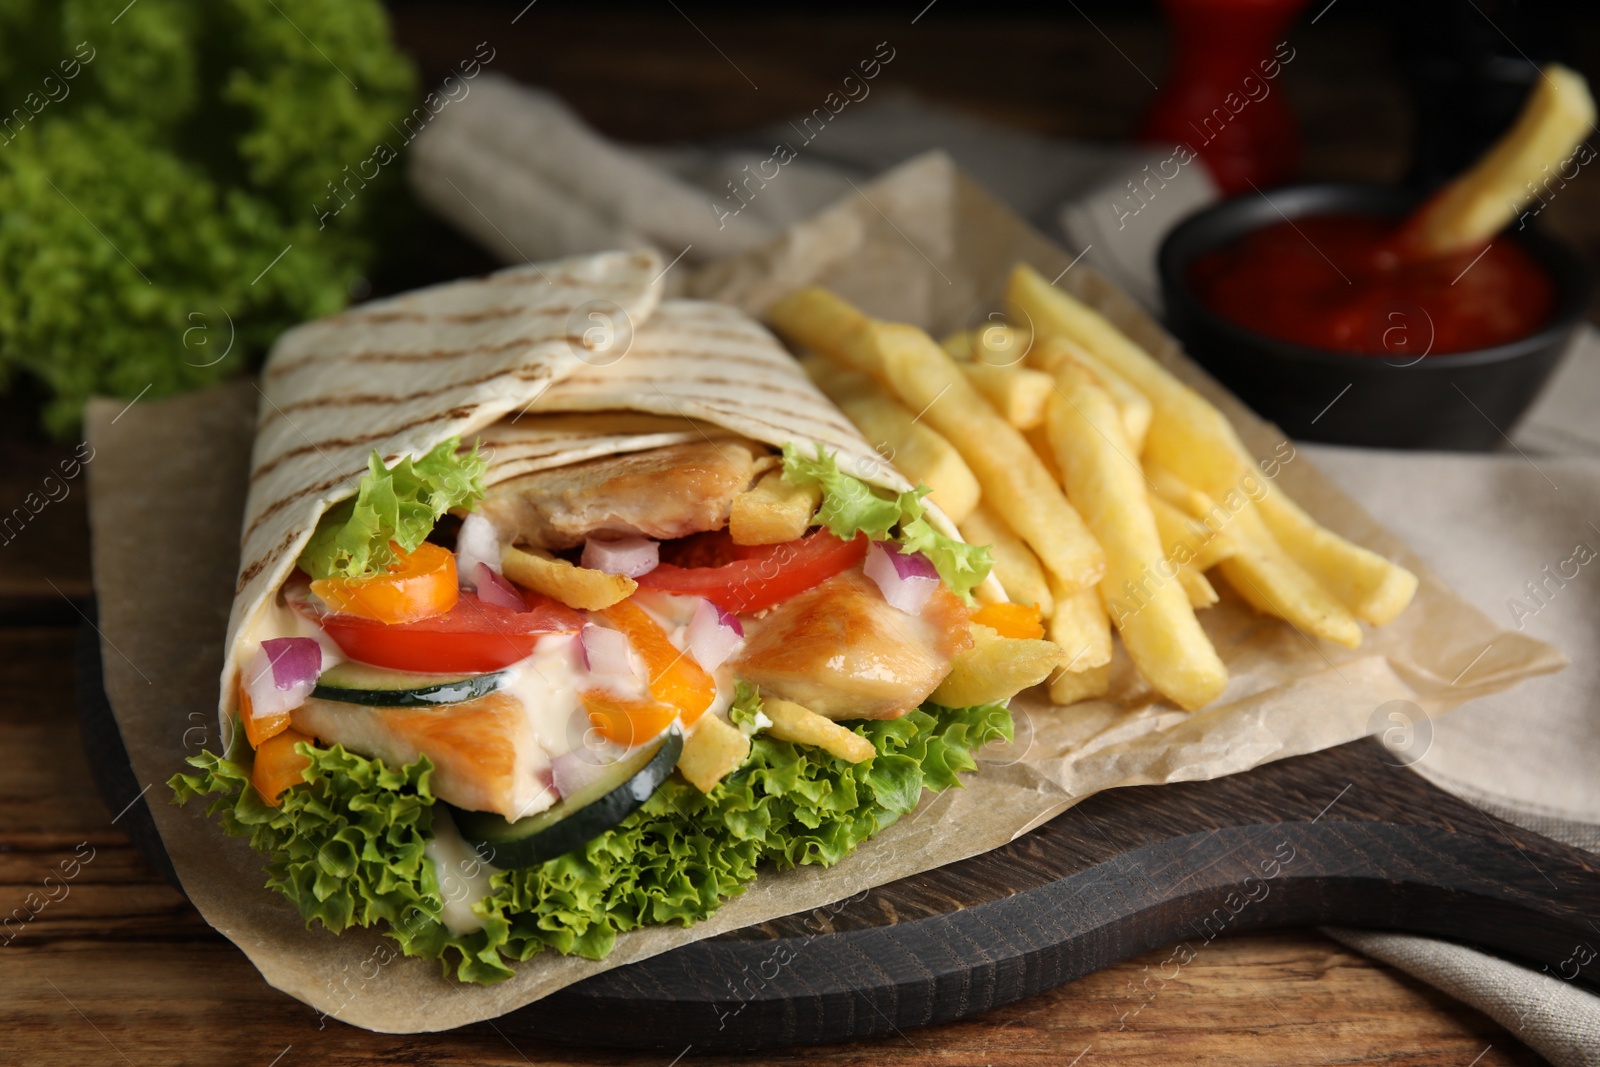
[574,820]
[358,683]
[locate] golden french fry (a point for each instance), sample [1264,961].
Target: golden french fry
[1262,572]
[1477,204]
[1164,485]
[1018,569]
[817,319]
[576,587]
[1195,441]
[802,726]
[1186,433]
[1199,590]
[959,345]
[1369,585]
[1188,541]
[1017,393]
[1039,440]
[1069,687]
[713,750]
[1015,482]
[995,668]
[1082,629]
[1146,603]
[998,345]
[914,448]
[772,511]
[1050,352]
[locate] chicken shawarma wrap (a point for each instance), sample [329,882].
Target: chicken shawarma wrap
[562,609]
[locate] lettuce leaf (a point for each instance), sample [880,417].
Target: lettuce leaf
[399,504]
[851,506]
[346,848]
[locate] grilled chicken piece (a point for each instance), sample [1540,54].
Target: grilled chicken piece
[664,493]
[484,753]
[843,652]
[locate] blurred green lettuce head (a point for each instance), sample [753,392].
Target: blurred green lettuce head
[156,158]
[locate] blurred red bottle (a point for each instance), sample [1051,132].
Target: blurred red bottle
[1224,95]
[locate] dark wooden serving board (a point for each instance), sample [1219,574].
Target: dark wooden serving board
[1339,837]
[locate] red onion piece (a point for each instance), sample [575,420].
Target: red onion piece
[607,654]
[906,579]
[493,589]
[632,556]
[713,635]
[477,542]
[282,674]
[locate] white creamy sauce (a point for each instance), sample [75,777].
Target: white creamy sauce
[463,877]
[547,684]
[278,619]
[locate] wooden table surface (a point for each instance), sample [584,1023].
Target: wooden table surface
[119,969]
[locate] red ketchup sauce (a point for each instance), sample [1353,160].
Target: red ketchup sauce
[1336,281]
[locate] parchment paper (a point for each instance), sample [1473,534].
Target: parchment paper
[922,245]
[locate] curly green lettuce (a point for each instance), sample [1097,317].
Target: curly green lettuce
[850,506]
[159,166]
[347,847]
[396,505]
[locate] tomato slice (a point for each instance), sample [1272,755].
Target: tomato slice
[762,576]
[470,638]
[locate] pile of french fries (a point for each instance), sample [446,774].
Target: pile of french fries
[1108,490]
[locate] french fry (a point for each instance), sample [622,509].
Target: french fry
[1197,588]
[1017,393]
[1270,580]
[1015,565]
[1164,485]
[815,318]
[997,345]
[1082,629]
[1049,352]
[576,587]
[914,448]
[1014,480]
[959,345]
[1186,433]
[1369,585]
[1188,541]
[1039,440]
[711,752]
[1477,204]
[1070,687]
[772,511]
[802,726]
[1148,607]
[1196,442]
[994,668]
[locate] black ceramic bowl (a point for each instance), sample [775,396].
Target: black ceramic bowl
[1465,401]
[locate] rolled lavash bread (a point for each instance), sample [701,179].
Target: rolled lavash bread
[545,365]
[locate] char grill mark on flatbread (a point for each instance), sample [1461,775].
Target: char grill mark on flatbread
[506,312]
[323,356]
[710,363]
[470,302]
[339,444]
[350,400]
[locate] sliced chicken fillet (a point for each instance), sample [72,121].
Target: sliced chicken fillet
[843,652]
[664,493]
[484,753]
